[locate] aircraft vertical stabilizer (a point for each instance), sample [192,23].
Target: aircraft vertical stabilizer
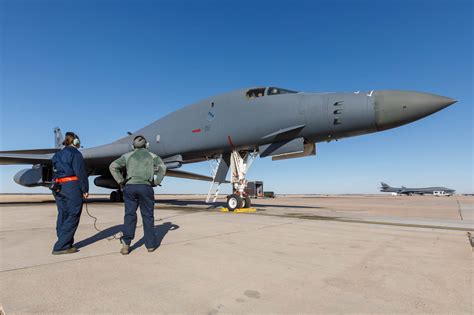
[58,138]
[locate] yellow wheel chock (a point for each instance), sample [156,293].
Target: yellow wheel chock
[239,210]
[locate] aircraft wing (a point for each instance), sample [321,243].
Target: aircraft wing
[33,151]
[31,157]
[97,159]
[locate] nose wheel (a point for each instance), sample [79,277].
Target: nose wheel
[235,201]
[116,196]
[246,203]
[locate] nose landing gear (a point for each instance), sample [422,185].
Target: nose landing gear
[239,165]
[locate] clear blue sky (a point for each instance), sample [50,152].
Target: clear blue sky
[102,68]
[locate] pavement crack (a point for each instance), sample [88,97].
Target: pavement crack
[459,209]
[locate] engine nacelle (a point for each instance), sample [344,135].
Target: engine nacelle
[106,182]
[172,162]
[36,176]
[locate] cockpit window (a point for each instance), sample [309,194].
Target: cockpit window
[275,91]
[258,92]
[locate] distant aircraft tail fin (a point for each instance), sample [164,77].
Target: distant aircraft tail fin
[58,138]
[384,185]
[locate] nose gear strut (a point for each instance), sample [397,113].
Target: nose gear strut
[239,163]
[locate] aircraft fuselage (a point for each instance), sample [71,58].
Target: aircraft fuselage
[235,121]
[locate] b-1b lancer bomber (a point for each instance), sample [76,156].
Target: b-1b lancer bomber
[437,191]
[232,129]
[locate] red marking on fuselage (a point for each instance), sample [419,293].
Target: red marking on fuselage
[197,130]
[230,141]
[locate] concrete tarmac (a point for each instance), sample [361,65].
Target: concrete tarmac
[296,254]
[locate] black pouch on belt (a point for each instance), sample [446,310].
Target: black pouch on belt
[55,187]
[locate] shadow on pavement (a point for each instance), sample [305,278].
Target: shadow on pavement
[160,231]
[256,205]
[176,202]
[100,236]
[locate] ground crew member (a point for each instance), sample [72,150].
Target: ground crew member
[70,185]
[144,170]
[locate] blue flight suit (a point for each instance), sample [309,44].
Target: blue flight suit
[69,162]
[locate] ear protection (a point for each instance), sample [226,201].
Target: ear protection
[140,142]
[76,142]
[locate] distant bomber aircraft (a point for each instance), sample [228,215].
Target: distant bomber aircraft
[437,191]
[232,129]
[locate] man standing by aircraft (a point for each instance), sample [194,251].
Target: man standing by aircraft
[144,170]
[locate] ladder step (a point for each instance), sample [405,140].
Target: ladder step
[214,173]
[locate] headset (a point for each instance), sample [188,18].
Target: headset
[76,142]
[147,144]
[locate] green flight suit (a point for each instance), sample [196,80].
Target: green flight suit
[142,166]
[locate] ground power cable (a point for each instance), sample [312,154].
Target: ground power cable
[116,236]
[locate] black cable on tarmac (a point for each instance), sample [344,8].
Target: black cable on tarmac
[116,236]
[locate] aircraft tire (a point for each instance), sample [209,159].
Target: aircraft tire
[246,203]
[113,196]
[234,202]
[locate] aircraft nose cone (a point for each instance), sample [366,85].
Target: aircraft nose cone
[395,108]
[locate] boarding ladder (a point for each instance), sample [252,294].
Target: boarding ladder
[215,186]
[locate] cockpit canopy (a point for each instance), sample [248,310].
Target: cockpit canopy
[259,92]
